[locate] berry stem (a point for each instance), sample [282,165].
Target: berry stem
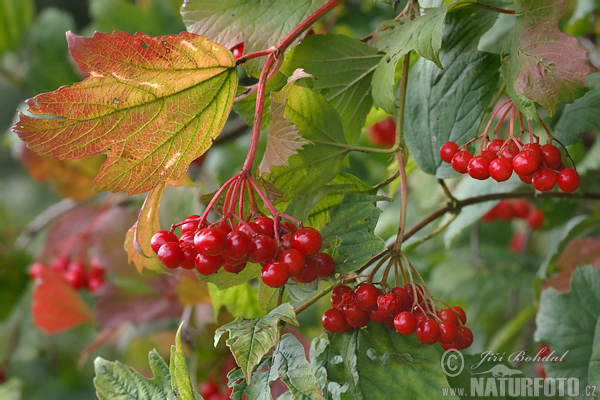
[313,300]
[491,120]
[255,54]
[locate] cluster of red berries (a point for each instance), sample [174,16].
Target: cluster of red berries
[395,309]
[540,166]
[519,208]
[73,272]
[207,248]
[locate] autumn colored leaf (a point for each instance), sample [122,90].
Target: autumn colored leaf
[151,104]
[56,305]
[544,64]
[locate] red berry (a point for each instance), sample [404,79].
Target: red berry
[171,255]
[334,321]
[366,297]
[378,317]
[427,331]
[208,388]
[403,297]
[35,270]
[504,210]
[325,265]
[356,317]
[460,161]
[568,180]
[411,289]
[250,228]
[448,332]
[520,208]
[489,216]
[540,370]
[447,151]
[338,292]
[466,335]
[544,350]
[526,179]
[307,241]
[500,169]
[76,275]
[525,163]
[309,273]
[489,155]
[287,241]
[535,219]
[478,167]
[208,265]
[60,264]
[405,323]
[95,283]
[517,242]
[238,50]
[551,155]
[190,225]
[290,227]
[544,179]
[160,238]
[263,248]
[238,245]
[383,133]
[210,241]
[536,149]
[461,314]
[189,257]
[388,304]
[267,225]
[494,146]
[293,261]
[235,268]
[510,151]
[274,274]
[448,315]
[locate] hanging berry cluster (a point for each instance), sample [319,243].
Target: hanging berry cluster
[75,273]
[285,250]
[519,209]
[542,166]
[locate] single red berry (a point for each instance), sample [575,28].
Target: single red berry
[494,146]
[504,210]
[187,239]
[510,151]
[478,168]
[289,227]
[60,264]
[309,273]
[535,219]
[237,245]
[551,155]
[457,344]
[189,257]
[561,166]
[171,255]
[568,180]
[35,270]
[234,268]
[500,169]
[540,370]
[191,224]
[411,289]
[419,315]
[263,248]
[383,133]
[356,317]
[287,241]
[427,331]
[209,388]
[325,264]
[293,261]
[544,350]
[448,332]
[520,208]
[544,179]
[536,149]
[461,314]
[489,216]
[210,241]
[96,269]
[307,241]
[378,317]
[405,323]
[447,151]
[338,292]
[267,225]
[489,155]
[517,242]
[208,265]
[366,297]
[274,274]
[95,283]
[460,161]
[525,163]
[467,336]
[334,321]
[250,228]
[388,304]
[238,50]
[448,315]
[160,238]
[526,179]
[403,297]
[76,276]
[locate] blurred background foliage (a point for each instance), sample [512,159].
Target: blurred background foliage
[477,270]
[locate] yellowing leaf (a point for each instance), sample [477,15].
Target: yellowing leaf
[151,104]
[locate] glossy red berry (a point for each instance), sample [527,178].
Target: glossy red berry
[334,321]
[427,331]
[388,304]
[467,336]
[405,323]
[544,350]
[500,169]
[460,161]
[536,149]
[210,241]
[287,241]
[526,179]
[338,293]
[478,168]
[378,317]
[544,179]
[447,151]
[189,257]
[504,210]
[60,264]
[461,314]
[293,261]
[403,297]
[190,224]
[448,315]
[535,219]
[448,332]
[525,163]
[551,155]
[307,241]
[238,50]
[309,273]
[494,146]
[274,274]
[237,245]
[510,151]
[366,297]
[568,180]
[171,255]
[356,317]
[267,225]
[325,265]
[160,238]
[383,133]
[235,268]
[520,208]
[263,248]
[250,228]
[489,155]
[208,265]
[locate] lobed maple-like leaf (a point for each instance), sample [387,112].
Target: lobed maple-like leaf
[151,104]
[56,305]
[542,63]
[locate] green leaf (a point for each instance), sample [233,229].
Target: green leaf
[224,280]
[268,296]
[250,339]
[290,364]
[343,67]
[11,389]
[246,105]
[397,38]
[321,160]
[540,62]
[449,104]
[260,388]
[568,324]
[146,125]
[582,115]
[258,24]
[115,381]
[15,18]
[180,379]
[571,229]
[349,236]
[374,362]
[241,300]
[594,367]
[471,214]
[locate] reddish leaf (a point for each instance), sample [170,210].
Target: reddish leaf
[56,305]
[151,104]
[578,252]
[545,64]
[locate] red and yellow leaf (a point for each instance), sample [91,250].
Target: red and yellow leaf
[56,305]
[151,104]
